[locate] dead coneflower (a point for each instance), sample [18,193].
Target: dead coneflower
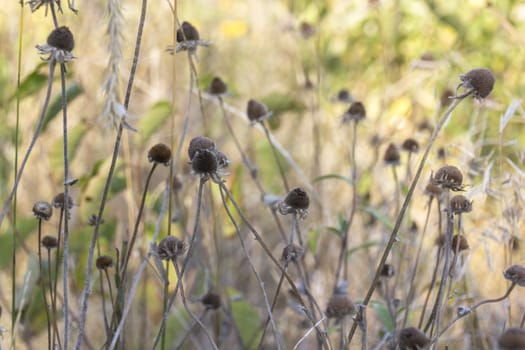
[60,202]
[206,160]
[160,154]
[295,202]
[171,247]
[60,43]
[515,274]
[512,339]
[446,97]
[200,143]
[340,306]
[257,111]
[356,113]
[188,38]
[49,242]
[478,82]
[211,300]
[292,252]
[218,87]
[411,338]
[459,204]
[449,177]
[459,243]
[392,156]
[42,210]
[104,262]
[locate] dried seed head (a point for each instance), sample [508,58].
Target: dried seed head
[257,111]
[217,87]
[514,243]
[410,145]
[307,30]
[204,162]
[356,112]
[92,220]
[392,155]
[170,248]
[42,210]
[445,98]
[516,274]
[479,80]
[388,270]
[160,154]
[449,177]
[211,300]
[200,143]
[49,242]
[222,160]
[460,204]
[61,38]
[104,262]
[459,243]
[441,153]
[411,338]
[297,199]
[190,32]
[344,96]
[292,252]
[339,306]
[512,339]
[59,201]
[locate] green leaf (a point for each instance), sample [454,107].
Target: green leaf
[31,84]
[24,228]
[153,121]
[379,216]
[364,245]
[332,176]
[383,315]
[245,316]
[73,91]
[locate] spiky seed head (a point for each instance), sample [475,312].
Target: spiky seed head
[411,338]
[200,143]
[211,300]
[356,112]
[190,32]
[410,145]
[104,262]
[217,87]
[292,252]
[59,201]
[170,247]
[297,199]
[459,243]
[480,80]
[449,177]
[460,204]
[516,274]
[512,339]
[256,110]
[340,306]
[392,156]
[204,162]
[160,153]
[61,38]
[49,242]
[42,210]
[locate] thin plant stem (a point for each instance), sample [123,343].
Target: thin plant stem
[41,277]
[276,156]
[52,297]
[431,286]
[189,330]
[104,312]
[400,217]
[55,282]
[105,193]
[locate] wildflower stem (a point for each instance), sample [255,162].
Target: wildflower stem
[52,297]
[276,156]
[42,282]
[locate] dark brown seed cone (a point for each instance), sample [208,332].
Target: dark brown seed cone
[356,112]
[388,270]
[410,145]
[190,32]
[256,110]
[459,243]
[392,155]
[411,338]
[200,143]
[42,210]
[211,300]
[297,199]
[160,153]
[217,87]
[62,39]
[516,274]
[59,201]
[445,98]
[292,252]
[512,339]
[448,176]
[460,204]
[481,80]
[171,247]
[204,162]
[104,262]
[339,306]
[344,96]
[49,242]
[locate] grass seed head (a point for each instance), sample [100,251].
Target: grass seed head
[42,210]
[160,154]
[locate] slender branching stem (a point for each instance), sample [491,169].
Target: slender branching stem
[102,293]
[276,156]
[52,298]
[43,283]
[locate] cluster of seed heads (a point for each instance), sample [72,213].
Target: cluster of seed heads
[206,160]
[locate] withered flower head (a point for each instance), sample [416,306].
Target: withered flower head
[292,252]
[449,177]
[340,306]
[257,111]
[92,220]
[410,145]
[204,162]
[200,143]
[218,87]
[211,300]
[515,274]
[411,338]
[459,243]
[344,96]
[307,30]
[296,201]
[478,82]
[392,156]
[104,262]
[59,201]
[388,271]
[60,43]
[170,247]
[446,97]
[160,153]
[188,38]
[42,210]
[49,242]
[356,112]
[512,339]
[460,204]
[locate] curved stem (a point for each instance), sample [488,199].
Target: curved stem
[276,157]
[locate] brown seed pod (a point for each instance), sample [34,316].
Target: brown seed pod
[200,143]
[217,87]
[339,306]
[160,153]
[104,262]
[256,111]
[411,338]
[297,199]
[204,162]
[515,274]
[344,96]
[292,252]
[61,38]
[479,80]
[211,300]
[460,204]
[49,242]
[512,339]
[410,145]
[388,271]
[42,210]
[449,177]
[170,247]
[356,112]
[392,156]
[459,243]
[190,32]
[59,201]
